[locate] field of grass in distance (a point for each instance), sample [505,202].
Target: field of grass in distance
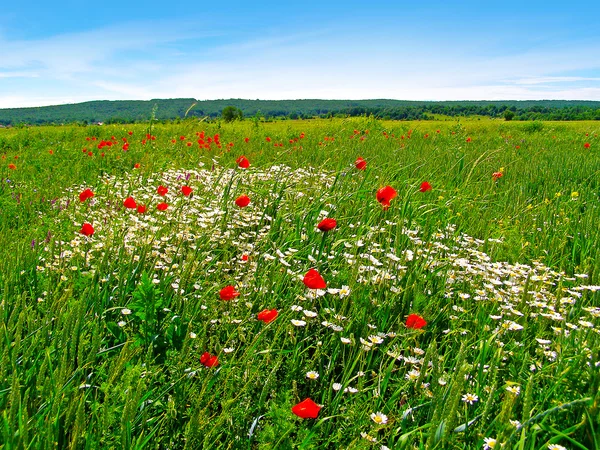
[109,340]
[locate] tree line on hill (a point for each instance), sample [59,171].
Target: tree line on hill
[130,111]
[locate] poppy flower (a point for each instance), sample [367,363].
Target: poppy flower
[129,203]
[314,280]
[141,209]
[209,360]
[327,224]
[85,194]
[12,166]
[186,190]
[87,229]
[136,166]
[497,175]
[306,409]
[228,293]
[267,315]
[469,139]
[586,145]
[242,201]
[162,190]
[415,321]
[360,163]
[425,186]
[385,195]
[243,162]
[162,206]
[246,140]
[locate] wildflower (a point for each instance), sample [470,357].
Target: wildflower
[136,166]
[267,315]
[186,190]
[574,194]
[162,190]
[497,175]
[298,323]
[312,375]
[162,206]
[470,398]
[243,162]
[129,203]
[228,293]
[12,166]
[415,322]
[141,209]
[345,340]
[314,280]
[125,311]
[556,447]
[85,194]
[327,224]
[586,145]
[87,229]
[360,163]
[306,409]
[336,386]
[425,186]
[514,389]
[242,201]
[385,195]
[489,443]
[209,360]
[379,418]
[413,375]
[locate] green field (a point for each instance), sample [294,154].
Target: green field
[464,316]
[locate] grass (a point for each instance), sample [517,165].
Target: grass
[103,335]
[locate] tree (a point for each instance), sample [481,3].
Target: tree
[508,115]
[231,113]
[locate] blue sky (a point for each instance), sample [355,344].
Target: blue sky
[66,52]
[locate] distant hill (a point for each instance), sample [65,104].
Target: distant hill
[127,111]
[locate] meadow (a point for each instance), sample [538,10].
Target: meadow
[326,284]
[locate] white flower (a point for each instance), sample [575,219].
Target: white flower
[489,443]
[351,390]
[344,291]
[312,375]
[514,389]
[193,335]
[556,447]
[470,398]
[125,311]
[298,323]
[228,350]
[122,323]
[308,313]
[379,418]
[413,375]
[345,340]
[336,386]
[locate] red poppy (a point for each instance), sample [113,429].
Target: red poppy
[141,209]
[162,190]
[586,145]
[425,186]
[243,162]
[415,321]
[130,133]
[136,166]
[314,280]
[85,194]
[87,229]
[497,175]
[126,146]
[12,166]
[267,315]
[228,293]
[129,203]
[242,201]
[360,163]
[209,360]
[51,152]
[469,139]
[244,257]
[385,196]
[327,224]
[246,140]
[306,409]
[268,139]
[162,206]
[186,190]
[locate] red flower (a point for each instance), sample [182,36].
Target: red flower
[415,322]
[327,224]
[497,175]
[244,257]
[126,146]
[141,209]
[186,190]
[209,360]
[314,280]
[129,203]
[130,133]
[306,409]
[267,315]
[468,139]
[360,163]
[162,206]
[246,140]
[136,166]
[586,145]
[425,186]
[228,293]
[85,194]
[242,201]
[385,195]
[162,190]
[243,162]
[12,166]
[87,229]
